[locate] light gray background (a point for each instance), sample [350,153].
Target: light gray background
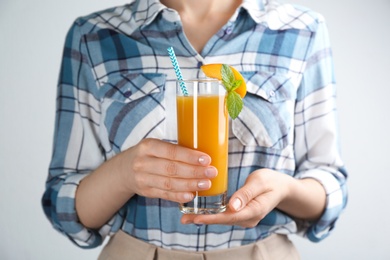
[31,40]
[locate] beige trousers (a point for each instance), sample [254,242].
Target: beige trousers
[124,247]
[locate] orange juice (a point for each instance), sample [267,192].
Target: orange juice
[210,135]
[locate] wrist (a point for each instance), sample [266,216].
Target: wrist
[290,186]
[122,174]
[304,199]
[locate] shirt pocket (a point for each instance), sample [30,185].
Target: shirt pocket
[267,117]
[133,108]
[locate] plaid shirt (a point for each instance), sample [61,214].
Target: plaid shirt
[116,87]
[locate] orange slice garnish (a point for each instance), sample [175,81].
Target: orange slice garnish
[214,71]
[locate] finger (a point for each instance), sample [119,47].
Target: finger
[253,187]
[248,217]
[245,218]
[179,197]
[221,218]
[174,184]
[158,148]
[174,169]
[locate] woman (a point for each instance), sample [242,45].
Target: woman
[117,171]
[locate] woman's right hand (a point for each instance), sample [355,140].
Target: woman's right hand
[158,169]
[152,168]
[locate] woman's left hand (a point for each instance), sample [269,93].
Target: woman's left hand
[262,192]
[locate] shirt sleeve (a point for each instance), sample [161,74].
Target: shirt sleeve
[77,150]
[317,148]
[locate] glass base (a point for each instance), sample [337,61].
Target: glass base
[205,204]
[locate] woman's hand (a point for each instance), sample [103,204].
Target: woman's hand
[263,191]
[157,169]
[152,168]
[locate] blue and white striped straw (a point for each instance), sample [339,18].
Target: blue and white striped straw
[176,67]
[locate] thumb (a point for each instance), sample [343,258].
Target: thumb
[241,197]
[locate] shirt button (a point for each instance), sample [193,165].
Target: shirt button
[271,93]
[229,30]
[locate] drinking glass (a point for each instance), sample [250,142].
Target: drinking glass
[202,124]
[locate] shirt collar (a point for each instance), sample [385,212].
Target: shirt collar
[256,9]
[147,11]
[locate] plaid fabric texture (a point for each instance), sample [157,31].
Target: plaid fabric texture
[117,86]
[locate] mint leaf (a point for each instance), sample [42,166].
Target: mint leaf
[234,104]
[227,77]
[236,84]
[234,101]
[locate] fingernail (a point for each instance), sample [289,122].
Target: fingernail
[204,160]
[237,204]
[204,184]
[211,172]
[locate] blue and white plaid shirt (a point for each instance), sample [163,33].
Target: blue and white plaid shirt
[116,87]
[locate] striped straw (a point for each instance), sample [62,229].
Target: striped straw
[176,67]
